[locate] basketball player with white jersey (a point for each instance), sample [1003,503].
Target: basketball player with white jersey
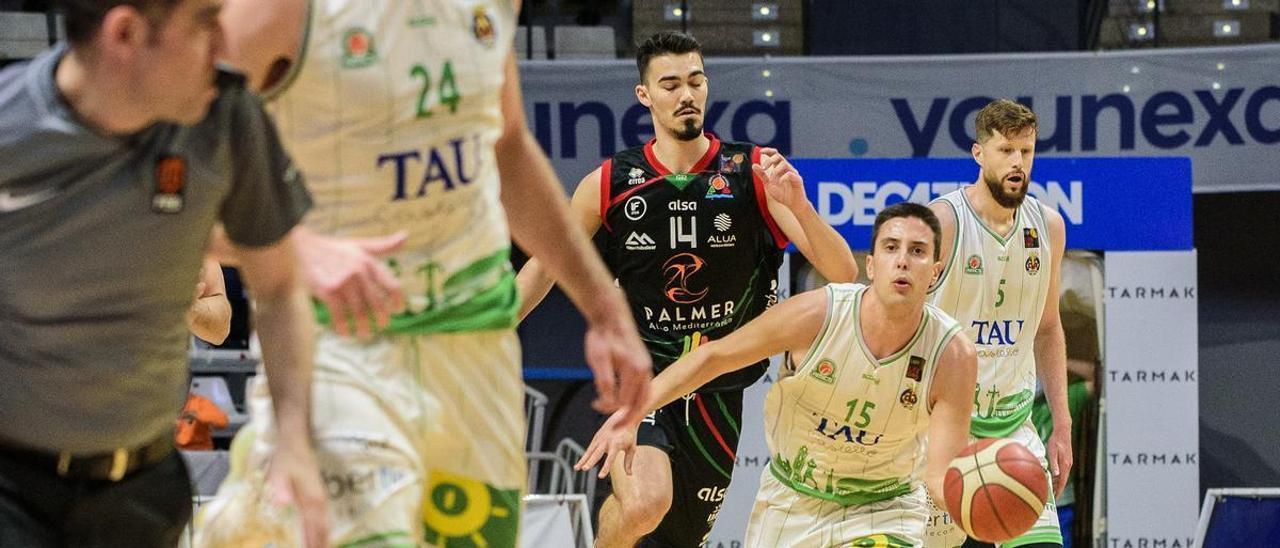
[846,423]
[1002,252]
[405,115]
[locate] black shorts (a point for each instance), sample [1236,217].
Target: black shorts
[700,436]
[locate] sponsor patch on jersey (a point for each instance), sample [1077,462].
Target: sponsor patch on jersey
[635,207]
[908,398]
[915,368]
[681,180]
[730,164]
[825,371]
[723,222]
[719,187]
[639,241]
[635,176]
[973,265]
[1030,238]
[1033,263]
[358,48]
[171,181]
[722,240]
[482,27]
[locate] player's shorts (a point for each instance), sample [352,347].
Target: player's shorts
[782,516]
[700,436]
[944,533]
[420,441]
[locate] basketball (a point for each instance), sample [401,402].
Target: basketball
[995,489]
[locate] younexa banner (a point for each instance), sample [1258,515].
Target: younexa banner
[1218,106]
[1151,391]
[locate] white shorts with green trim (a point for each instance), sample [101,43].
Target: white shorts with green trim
[783,517]
[944,533]
[420,440]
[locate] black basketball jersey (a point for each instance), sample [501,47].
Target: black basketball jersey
[696,253]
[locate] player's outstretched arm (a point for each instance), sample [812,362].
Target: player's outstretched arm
[796,217]
[951,404]
[533,280]
[285,327]
[791,325]
[1051,361]
[542,226]
[210,314]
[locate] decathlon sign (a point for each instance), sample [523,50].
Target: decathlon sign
[1108,203]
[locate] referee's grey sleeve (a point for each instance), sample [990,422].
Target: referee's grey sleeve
[268,196]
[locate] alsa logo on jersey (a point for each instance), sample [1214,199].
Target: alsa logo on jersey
[682,205]
[639,241]
[711,494]
[997,332]
[719,188]
[357,48]
[635,176]
[450,166]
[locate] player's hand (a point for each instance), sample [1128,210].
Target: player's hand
[347,275]
[293,479]
[1060,460]
[616,436]
[781,181]
[618,360]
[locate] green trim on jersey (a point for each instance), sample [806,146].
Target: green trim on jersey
[494,307]
[1004,422]
[852,491]
[955,248]
[1004,240]
[811,356]
[382,540]
[1044,537]
[880,540]
[862,341]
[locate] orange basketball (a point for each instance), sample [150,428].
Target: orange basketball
[995,489]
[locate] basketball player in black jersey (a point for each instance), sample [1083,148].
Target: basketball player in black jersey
[693,228]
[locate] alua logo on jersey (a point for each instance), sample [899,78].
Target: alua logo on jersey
[357,48]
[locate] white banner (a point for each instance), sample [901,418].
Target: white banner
[1218,106]
[1151,391]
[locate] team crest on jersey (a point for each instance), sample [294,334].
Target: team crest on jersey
[825,371]
[915,368]
[732,164]
[482,26]
[973,265]
[635,176]
[171,179]
[908,398]
[1030,238]
[357,48]
[1033,263]
[719,187]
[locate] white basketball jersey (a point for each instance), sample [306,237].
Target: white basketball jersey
[995,287]
[392,114]
[847,427]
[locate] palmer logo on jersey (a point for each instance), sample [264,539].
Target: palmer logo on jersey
[684,286]
[441,168]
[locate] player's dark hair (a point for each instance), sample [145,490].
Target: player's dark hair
[910,209]
[83,18]
[667,42]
